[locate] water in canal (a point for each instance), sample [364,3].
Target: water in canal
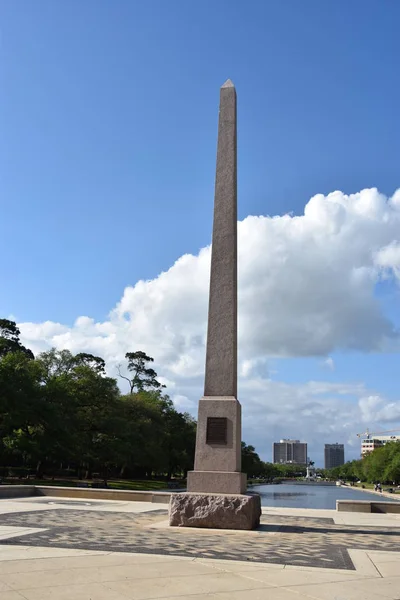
[310,496]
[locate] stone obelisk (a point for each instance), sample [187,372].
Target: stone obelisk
[216,481]
[218,446]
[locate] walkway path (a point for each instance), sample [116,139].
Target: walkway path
[62,549]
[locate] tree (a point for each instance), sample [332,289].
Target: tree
[95,401]
[9,339]
[251,462]
[23,413]
[179,440]
[143,434]
[57,362]
[350,471]
[61,410]
[392,470]
[84,403]
[69,413]
[269,470]
[143,377]
[95,363]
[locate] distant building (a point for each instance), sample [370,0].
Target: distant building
[376,441]
[334,455]
[290,452]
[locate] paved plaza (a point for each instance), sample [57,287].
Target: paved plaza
[54,548]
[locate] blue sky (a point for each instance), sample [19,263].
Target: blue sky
[107,154]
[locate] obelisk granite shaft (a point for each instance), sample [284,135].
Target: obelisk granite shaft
[221,356]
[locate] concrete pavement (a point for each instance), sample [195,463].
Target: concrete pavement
[30,572]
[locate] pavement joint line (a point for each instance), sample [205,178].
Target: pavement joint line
[254,578]
[363,563]
[103,582]
[374,565]
[22,595]
[266,587]
[122,564]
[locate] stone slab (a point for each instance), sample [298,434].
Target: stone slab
[353,506]
[367,506]
[215,511]
[385,507]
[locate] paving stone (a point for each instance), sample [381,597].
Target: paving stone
[296,541]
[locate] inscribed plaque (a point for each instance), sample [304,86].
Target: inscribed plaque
[217,429]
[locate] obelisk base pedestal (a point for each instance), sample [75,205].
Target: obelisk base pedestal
[215,511]
[216,482]
[218,447]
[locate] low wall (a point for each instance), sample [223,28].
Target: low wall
[16,491]
[367,506]
[103,494]
[25,491]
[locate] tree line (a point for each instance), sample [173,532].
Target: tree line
[60,413]
[266,471]
[382,464]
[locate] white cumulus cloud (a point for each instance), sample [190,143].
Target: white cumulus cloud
[375,409]
[306,288]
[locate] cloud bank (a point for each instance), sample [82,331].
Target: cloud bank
[306,288]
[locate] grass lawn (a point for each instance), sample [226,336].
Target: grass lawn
[126,484]
[368,486]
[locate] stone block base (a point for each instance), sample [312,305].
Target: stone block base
[216,482]
[215,511]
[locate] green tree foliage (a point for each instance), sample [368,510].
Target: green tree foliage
[291,470]
[256,468]
[61,410]
[383,464]
[96,363]
[22,407]
[143,377]
[251,462]
[179,440]
[9,339]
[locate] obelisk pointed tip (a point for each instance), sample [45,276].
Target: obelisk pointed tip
[228,84]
